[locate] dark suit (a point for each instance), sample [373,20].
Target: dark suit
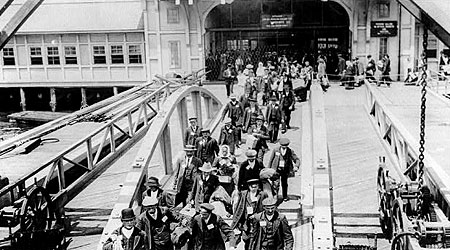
[288,158]
[250,117]
[247,174]
[191,135]
[137,241]
[207,150]
[273,117]
[276,234]
[202,190]
[287,102]
[208,236]
[229,136]
[185,177]
[235,112]
[157,230]
[261,143]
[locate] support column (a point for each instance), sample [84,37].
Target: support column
[196,102]
[166,149]
[23,102]
[182,117]
[53,99]
[115,90]
[83,98]
[208,107]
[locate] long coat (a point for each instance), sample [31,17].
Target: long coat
[234,110]
[185,175]
[283,236]
[160,240]
[229,137]
[240,209]
[247,174]
[202,190]
[261,142]
[289,158]
[215,226]
[249,116]
[137,241]
[212,149]
[191,135]
[273,115]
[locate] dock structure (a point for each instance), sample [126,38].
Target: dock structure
[39,117]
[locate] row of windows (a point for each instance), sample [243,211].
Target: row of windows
[70,56]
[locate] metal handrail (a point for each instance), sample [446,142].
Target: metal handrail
[92,163]
[436,87]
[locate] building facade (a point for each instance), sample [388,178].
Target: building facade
[67,46]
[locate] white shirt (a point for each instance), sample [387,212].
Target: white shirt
[188,161]
[251,164]
[283,151]
[153,194]
[127,232]
[269,217]
[155,215]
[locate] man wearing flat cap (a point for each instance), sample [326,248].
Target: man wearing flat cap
[273,116]
[207,147]
[229,135]
[284,160]
[234,110]
[249,169]
[186,170]
[128,236]
[260,132]
[248,204]
[204,185]
[155,222]
[193,131]
[207,230]
[270,230]
[250,115]
[154,190]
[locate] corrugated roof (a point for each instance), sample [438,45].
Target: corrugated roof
[80,16]
[438,10]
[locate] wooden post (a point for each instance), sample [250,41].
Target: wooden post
[23,102]
[166,149]
[182,117]
[83,98]
[115,91]
[61,177]
[208,106]
[196,102]
[53,99]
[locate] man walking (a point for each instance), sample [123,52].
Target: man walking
[207,147]
[229,135]
[287,105]
[273,116]
[204,185]
[249,170]
[282,160]
[229,75]
[234,110]
[187,169]
[192,132]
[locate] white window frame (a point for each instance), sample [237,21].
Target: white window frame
[70,55]
[51,57]
[95,53]
[115,51]
[173,19]
[8,55]
[134,53]
[33,54]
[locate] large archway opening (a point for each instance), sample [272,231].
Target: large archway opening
[257,28]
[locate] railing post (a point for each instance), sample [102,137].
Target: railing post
[111,139]
[208,106]
[61,177]
[196,102]
[182,116]
[166,149]
[90,158]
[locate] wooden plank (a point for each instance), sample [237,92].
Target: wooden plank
[36,116]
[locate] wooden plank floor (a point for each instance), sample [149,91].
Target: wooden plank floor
[404,103]
[354,148]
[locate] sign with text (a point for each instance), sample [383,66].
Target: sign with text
[277,21]
[383,28]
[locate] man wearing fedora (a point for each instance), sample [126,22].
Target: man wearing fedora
[204,185]
[260,132]
[230,75]
[248,204]
[186,170]
[192,132]
[207,147]
[273,116]
[229,135]
[287,102]
[155,222]
[127,236]
[154,190]
[270,230]
[250,115]
[249,170]
[234,110]
[282,160]
[207,230]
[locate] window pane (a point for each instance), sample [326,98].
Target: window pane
[99,50]
[8,52]
[36,61]
[100,59]
[9,61]
[71,60]
[35,51]
[70,50]
[174,54]
[135,59]
[173,15]
[52,51]
[134,54]
[53,60]
[116,49]
[134,49]
[116,59]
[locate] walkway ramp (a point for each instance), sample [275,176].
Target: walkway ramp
[354,150]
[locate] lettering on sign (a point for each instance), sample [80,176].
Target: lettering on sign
[383,28]
[277,21]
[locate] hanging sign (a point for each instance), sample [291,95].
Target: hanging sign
[277,21]
[383,28]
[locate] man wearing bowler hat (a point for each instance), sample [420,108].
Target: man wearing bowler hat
[230,75]
[154,190]
[207,147]
[128,236]
[282,160]
[270,230]
[250,115]
[155,222]
[186,170]
[273,116]
[260,132]
[234,110]
[204,185]
[192,132]
[249,170]
[207,230]
[229,135]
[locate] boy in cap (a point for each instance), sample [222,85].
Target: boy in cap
[155,222]
[282,160]
[270,230]
[204,185]
[128,236]
[229,135]
[207,147]
[187,169]
[154,190]
[234,110]
[273,116]
[249,170]
[207,230]
[192,131]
